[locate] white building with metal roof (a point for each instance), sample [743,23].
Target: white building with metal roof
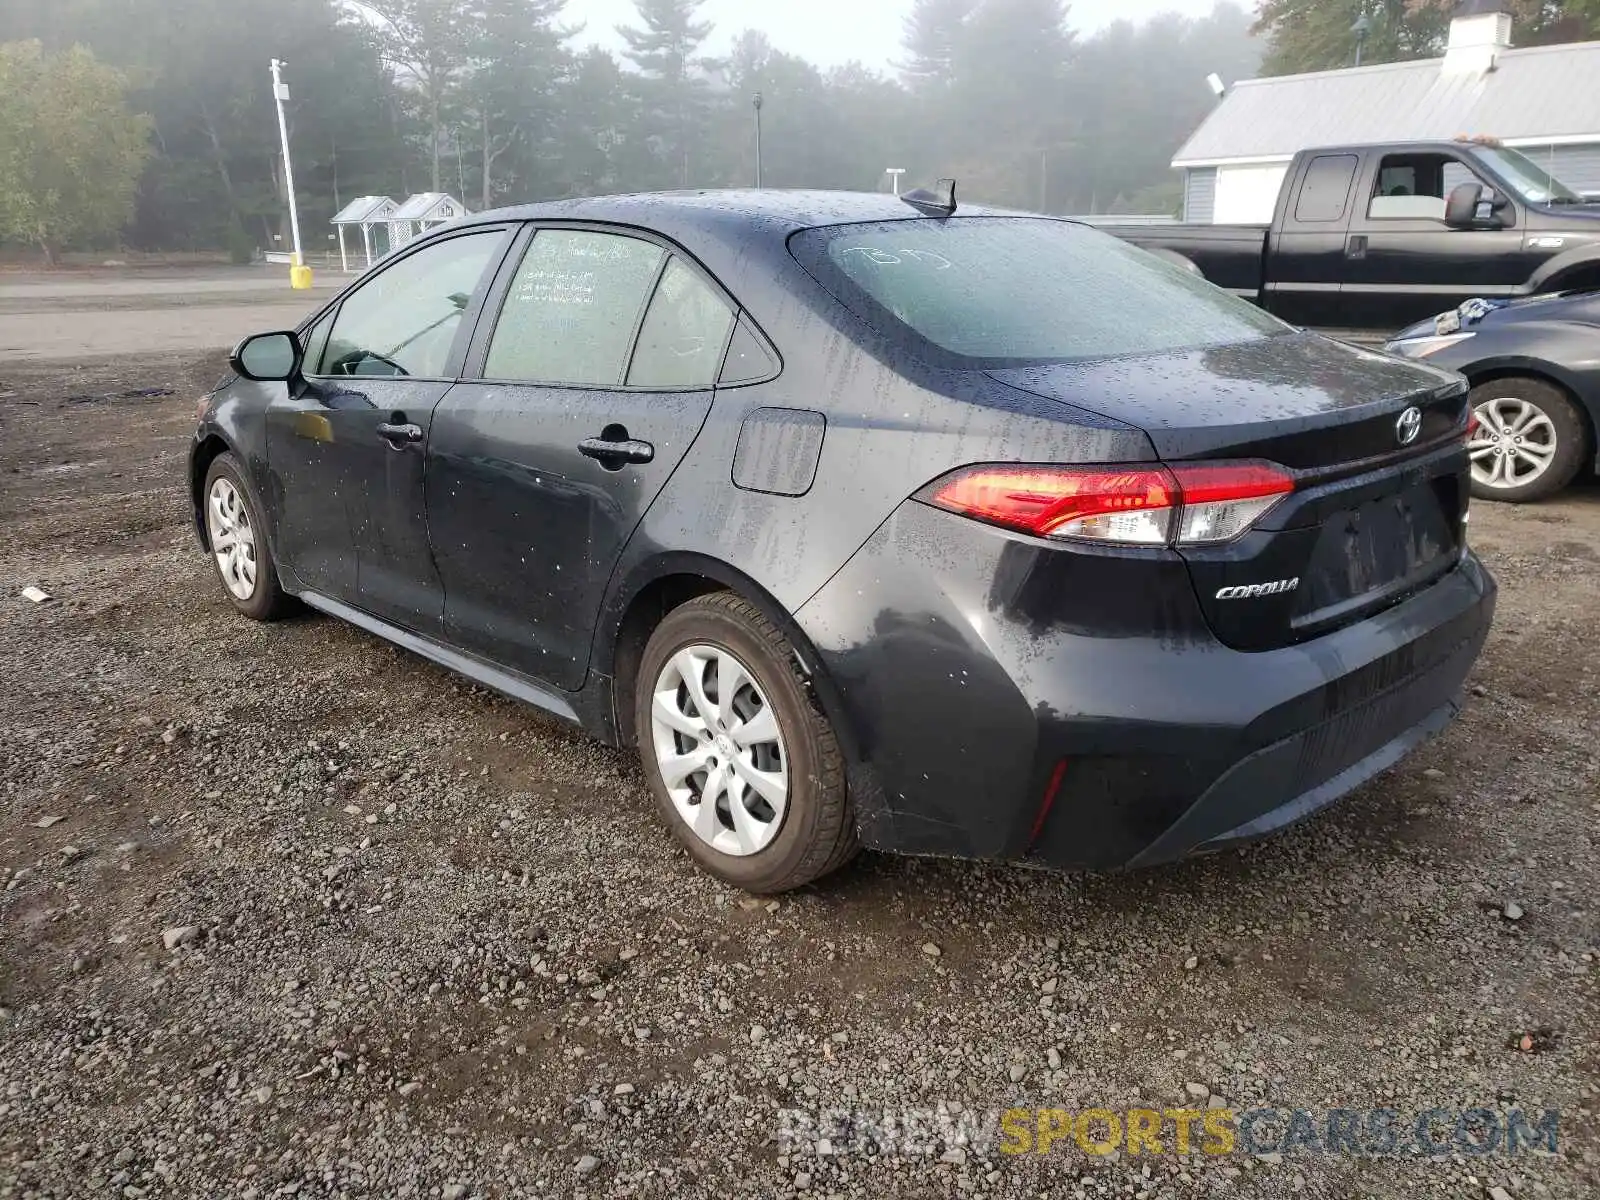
[420,213]
[1544,101]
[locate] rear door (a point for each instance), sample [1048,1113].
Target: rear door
[1403,263]
[345,448]
[1305,260]
[591,375]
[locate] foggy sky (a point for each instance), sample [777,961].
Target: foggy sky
[830,32]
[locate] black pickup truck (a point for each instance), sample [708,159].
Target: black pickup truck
[1380,236]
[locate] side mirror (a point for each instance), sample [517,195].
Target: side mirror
[1461,207]
[267,357]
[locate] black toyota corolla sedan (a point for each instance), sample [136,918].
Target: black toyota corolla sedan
[941,532]
[1534,367]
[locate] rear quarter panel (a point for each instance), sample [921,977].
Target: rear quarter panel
[892,425]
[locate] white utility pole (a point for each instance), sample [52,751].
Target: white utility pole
[280,93]
[894,174]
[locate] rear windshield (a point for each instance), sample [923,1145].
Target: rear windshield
[1004,290]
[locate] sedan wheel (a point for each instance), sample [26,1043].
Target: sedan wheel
[1529,443]
[744,765]
[238,542]
[719,750]
[233,540]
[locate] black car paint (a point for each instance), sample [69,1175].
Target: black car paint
[1357,272]
[960,664]
[1556,338]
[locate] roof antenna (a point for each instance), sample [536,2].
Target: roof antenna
[937,201]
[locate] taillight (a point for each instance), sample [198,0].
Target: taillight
[1139,505]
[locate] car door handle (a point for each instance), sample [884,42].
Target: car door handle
[1357,246]
[400,435]
[621,451]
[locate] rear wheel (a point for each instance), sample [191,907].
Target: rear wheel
[1530,442]
[745,769]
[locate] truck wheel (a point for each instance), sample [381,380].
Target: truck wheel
[745,768]
[1530,442]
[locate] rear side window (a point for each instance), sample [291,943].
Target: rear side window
[748,358]
[684,332]
[572,309]
[993,291]
[1326,188]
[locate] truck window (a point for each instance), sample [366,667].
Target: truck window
[1412,187]
[1326,188]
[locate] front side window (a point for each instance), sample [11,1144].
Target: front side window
[573,306]
[684,332]
[404,321]
[1414,187]
[1011,290]
[315,341]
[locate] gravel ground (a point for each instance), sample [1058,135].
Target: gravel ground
[287,911]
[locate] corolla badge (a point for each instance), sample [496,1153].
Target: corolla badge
[1247,591]
[1408,426]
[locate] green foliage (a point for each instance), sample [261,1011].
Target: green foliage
[70,151]
[492,100]
[1319,35]
[933,31]
[241,247]
[1119,135]
[672,85]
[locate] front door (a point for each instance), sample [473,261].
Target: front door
[540,470]
[1403,263]
[346,446]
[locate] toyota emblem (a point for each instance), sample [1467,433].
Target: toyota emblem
[1408,426]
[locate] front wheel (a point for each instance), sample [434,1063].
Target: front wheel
[1530,442]
[745,768]
[238,544]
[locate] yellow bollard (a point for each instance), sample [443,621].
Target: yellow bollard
[299,276]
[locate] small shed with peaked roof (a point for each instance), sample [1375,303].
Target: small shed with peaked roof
[369,213]
[420,213]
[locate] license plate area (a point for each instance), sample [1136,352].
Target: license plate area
[1378,552]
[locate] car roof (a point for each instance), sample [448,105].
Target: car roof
[729,212]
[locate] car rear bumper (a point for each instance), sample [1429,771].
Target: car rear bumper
[1005,700]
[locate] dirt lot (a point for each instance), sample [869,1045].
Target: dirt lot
[435,946]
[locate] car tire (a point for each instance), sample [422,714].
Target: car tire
[245,567]
[1556,444]
[692,737]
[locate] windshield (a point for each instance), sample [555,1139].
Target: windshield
[1000,290]
[1525,177]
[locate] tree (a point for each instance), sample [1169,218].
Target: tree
[595,147]
[932,31]
[514,64]
[1119,134]
[1007,98]
[426,43]
[70,151]
[1536,22]
[1315,35]
[673,85]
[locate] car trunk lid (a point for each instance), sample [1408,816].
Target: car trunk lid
[1374,445]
